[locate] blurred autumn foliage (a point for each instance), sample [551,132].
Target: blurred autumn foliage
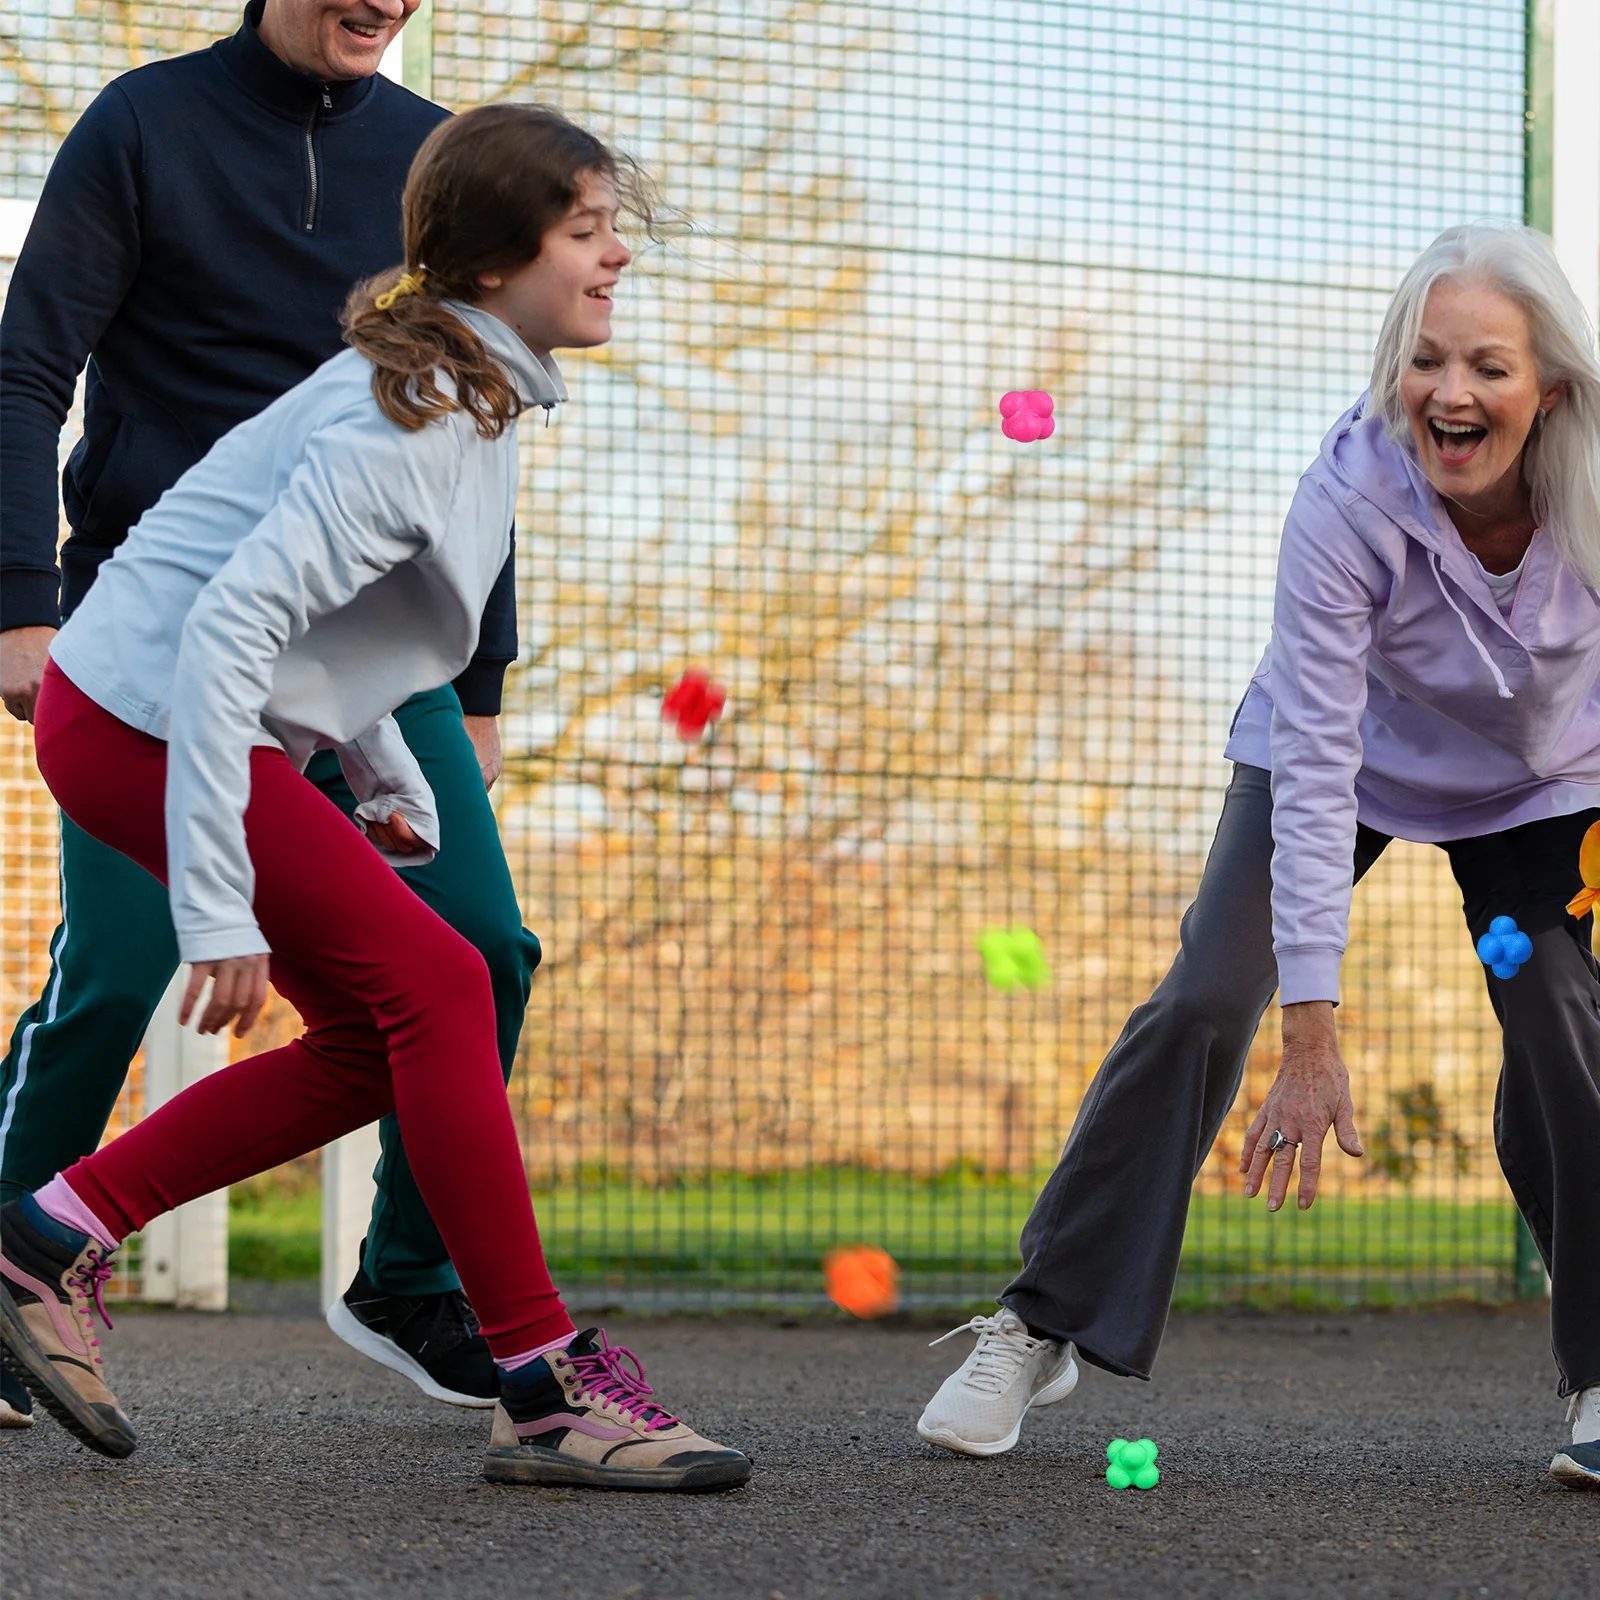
[952,697]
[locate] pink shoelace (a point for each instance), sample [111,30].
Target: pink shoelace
[90,1280]
[614,1373]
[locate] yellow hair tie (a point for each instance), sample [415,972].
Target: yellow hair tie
[408,284]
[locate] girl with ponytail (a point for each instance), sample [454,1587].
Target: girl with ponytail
[480,209]
[326,560]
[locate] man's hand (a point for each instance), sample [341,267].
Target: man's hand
[238,992]
[484,732]
[23,653]
[1311,1095]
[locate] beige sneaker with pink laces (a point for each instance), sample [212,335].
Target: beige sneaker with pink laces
[50,1277]
[583,1417]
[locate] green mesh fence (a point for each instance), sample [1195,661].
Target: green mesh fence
[970,682]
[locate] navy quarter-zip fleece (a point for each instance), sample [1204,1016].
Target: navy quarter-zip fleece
[197,235]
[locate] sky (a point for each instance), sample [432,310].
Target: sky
[1222,192]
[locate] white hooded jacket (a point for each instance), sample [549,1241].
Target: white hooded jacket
[316,569]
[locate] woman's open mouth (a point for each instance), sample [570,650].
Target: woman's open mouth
[1456,442]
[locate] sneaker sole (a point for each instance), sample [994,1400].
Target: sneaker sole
[23,1359]
[1571,1473]
[355,1333]
[531,1464]
[10,1417]
[1058,1388]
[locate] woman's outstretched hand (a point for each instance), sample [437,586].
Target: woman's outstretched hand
[395,836]
[1310,1095]
[238,992]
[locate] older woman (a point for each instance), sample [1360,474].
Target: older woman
[1434,674]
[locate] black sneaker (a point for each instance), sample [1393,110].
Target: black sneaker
[584,1417]
[50,1280]
[16,1404]
[432,1339]
[1577,1465]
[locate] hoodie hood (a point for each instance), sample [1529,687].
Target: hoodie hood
[538,378]
[1460,698]
[1360,456]
[1372,467]
[1396,693]
[1359,453]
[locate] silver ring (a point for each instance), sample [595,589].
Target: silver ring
[1277,1142]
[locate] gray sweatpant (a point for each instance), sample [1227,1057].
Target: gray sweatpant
[1100,1249]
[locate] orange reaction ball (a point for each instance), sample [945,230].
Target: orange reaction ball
[862,1279]
[1585,900]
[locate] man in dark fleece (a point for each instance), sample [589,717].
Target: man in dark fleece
[194,242]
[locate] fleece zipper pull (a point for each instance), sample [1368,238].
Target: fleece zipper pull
[1501,686]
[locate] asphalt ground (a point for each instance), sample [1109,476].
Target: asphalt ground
[1367,1454]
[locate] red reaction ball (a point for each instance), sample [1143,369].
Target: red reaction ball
[695,702]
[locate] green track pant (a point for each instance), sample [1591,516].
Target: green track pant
[115,952]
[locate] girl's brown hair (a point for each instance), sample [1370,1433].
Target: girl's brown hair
[482,192]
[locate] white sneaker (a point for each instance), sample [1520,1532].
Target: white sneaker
[16,1404]
[979,1408]
[1578,1465]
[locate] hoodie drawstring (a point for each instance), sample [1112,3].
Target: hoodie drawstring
[1477,644]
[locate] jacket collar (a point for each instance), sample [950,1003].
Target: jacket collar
[538,378]
[1383,472]
[276,85]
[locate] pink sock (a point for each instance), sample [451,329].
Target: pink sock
[522,1358]
[60,1200]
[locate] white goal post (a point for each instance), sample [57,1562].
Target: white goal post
[184,1256]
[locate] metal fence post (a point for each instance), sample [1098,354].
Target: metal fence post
[409,60]
[347,1190]
[1528,1277]
[416,45]
[1575,146]
[185,1253]
[1561,197]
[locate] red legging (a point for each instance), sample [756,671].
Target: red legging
[398,1018]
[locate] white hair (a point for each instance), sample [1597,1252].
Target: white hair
[1561,461]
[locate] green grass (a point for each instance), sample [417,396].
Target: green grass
[275,1235]
[728,1240]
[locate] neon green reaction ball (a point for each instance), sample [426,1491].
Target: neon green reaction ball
[1133,1464]
[1013,958]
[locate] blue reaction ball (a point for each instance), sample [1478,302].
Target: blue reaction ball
[1504,947]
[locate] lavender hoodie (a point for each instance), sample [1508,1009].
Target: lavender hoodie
[1395,693]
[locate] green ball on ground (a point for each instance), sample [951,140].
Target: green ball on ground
[1132,1464]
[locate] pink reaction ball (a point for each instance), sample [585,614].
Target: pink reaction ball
[1026,415]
